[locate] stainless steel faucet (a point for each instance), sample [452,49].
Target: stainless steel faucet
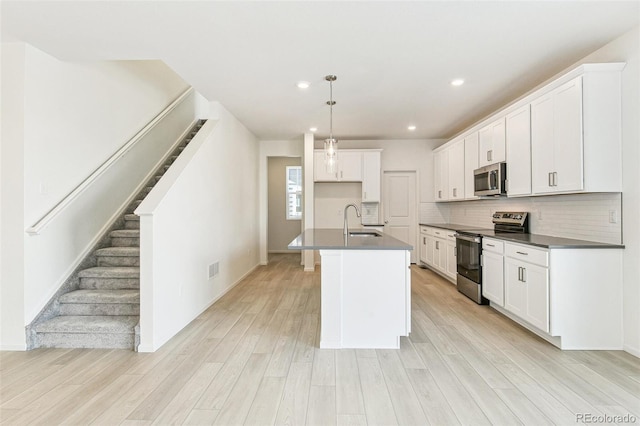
[345,230]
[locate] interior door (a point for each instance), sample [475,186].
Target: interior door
[400,208]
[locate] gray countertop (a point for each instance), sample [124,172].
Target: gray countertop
[544,241]
[333,239]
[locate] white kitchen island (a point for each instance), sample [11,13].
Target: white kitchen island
[365,288]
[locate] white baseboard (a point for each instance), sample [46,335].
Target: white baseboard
[14,348]
[633,351]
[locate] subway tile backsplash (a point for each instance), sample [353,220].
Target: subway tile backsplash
[580,216]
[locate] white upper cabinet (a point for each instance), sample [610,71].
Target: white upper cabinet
[563,138]
[441,175]
[349,168]
[491,140]
[470,163]
[556,140]
[456,170]
[320,173]
[371,177]
[518,140]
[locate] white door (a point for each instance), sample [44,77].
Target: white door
[400,208]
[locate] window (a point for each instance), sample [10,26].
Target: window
[294,192]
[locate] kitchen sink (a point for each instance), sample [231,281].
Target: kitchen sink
[364,234]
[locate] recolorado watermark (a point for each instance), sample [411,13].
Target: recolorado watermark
[605,418]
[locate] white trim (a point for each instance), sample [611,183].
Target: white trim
[633,351]
[284,251]
[14,348]
[47,218]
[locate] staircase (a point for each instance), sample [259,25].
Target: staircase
[103,308]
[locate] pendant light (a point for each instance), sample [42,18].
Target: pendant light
[331,144]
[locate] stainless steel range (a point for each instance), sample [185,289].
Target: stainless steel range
[469,251]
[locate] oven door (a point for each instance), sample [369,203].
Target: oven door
[469,249]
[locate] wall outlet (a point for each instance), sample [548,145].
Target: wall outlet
[214,269]
[613,216]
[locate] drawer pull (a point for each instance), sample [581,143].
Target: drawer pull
[524,254]
[490,245]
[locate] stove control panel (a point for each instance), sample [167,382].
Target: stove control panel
[512,218]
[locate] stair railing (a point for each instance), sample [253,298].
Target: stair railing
[37,228]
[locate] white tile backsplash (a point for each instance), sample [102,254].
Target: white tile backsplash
[580,216]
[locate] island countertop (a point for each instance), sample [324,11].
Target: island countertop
[334,239]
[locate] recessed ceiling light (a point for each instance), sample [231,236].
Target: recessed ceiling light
[457,82]
[313,129]
[303,85]
[412,128]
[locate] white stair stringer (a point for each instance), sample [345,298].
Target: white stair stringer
[102,309]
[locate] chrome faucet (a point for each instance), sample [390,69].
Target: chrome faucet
[345,230]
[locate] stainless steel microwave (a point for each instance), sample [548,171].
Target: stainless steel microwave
[490,180]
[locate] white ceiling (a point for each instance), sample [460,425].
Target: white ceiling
[394,60]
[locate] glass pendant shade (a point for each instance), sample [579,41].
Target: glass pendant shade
[331,155]
[331,144]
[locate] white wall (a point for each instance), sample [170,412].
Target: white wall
[281,230]
[271,148]
[12,333]
[73,117]
[202,211]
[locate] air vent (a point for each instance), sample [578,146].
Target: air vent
[214,269]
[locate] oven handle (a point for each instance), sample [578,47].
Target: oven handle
[468,238]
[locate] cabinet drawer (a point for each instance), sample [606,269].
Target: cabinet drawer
[494,246]
[527,254]
[438,233]
[424,230]
[450,235]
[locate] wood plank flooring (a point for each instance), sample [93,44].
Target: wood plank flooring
[253,359]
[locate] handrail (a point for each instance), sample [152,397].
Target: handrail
[48,217]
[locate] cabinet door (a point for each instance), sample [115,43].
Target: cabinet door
[527,292]
[493,277]
[542,141]
[456,170]
[536,279]
[423,248]
[518,140]
[440,255]
[470,163]
[430,258]
[371,177]
[320,171]
[491,141]
[350,166]
[515,290]
[567,133]
[556,140]
[452,266]
[441,172]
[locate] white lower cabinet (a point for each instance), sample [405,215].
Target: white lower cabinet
[527,292]
[438,250]
[493,271]
[452,258]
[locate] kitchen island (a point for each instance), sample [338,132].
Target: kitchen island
[365,287]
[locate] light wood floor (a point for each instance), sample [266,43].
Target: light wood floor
[252,358]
